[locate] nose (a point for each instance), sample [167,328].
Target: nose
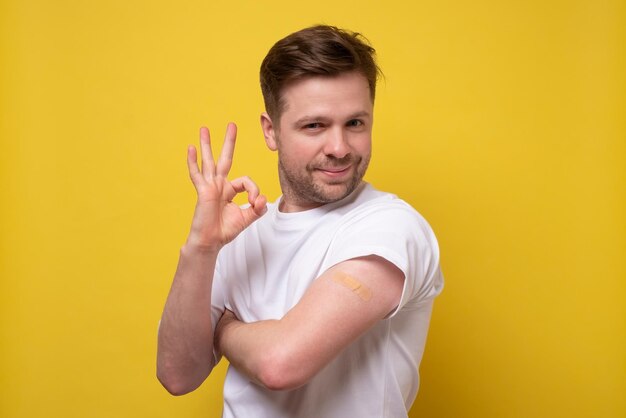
[336,144]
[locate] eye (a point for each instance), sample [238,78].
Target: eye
[313,125]
[354,123]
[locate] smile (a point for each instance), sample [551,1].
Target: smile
[335,171]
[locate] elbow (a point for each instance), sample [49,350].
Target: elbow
[181,376]
[174,386]
[280,372]
[177,384]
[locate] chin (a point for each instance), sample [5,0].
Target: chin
[334,192]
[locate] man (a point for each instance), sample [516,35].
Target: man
[320,301]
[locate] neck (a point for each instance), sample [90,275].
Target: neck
[287,205]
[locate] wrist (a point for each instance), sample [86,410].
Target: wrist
[192,247]
[226,323]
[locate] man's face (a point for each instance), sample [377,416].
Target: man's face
[324,139]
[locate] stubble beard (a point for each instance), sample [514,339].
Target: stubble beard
[302,188]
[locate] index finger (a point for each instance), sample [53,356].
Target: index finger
[225,161]
[208,166]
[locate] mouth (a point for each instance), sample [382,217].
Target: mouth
[335,171]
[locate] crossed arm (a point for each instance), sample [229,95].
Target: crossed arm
[278,354]
[340,305]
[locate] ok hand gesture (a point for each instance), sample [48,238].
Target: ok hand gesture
[217,220]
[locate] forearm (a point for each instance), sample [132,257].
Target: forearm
[185,341]
[274,353]
[253,349]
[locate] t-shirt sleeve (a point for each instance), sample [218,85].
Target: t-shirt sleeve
[401,236]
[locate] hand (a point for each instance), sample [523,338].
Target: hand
[228,317]
[217,220]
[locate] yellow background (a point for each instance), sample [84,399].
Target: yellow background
[502,122]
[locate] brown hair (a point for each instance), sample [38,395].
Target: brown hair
[316,51]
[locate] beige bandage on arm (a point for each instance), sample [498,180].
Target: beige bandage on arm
[353,284]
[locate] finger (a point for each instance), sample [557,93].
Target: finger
[226,156]
[260,205]
[192,164]
[246,184]
[258,202]
[208,165]
[256,210]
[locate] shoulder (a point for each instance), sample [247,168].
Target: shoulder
[386,226]
[378,220]
[378,210]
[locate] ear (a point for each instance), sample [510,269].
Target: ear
[268,131]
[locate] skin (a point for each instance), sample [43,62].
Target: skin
[323,140]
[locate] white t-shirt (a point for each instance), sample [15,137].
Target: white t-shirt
[265,271]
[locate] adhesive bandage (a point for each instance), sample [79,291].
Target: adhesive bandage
[353,284]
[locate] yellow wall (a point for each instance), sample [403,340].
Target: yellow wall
[503,122]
